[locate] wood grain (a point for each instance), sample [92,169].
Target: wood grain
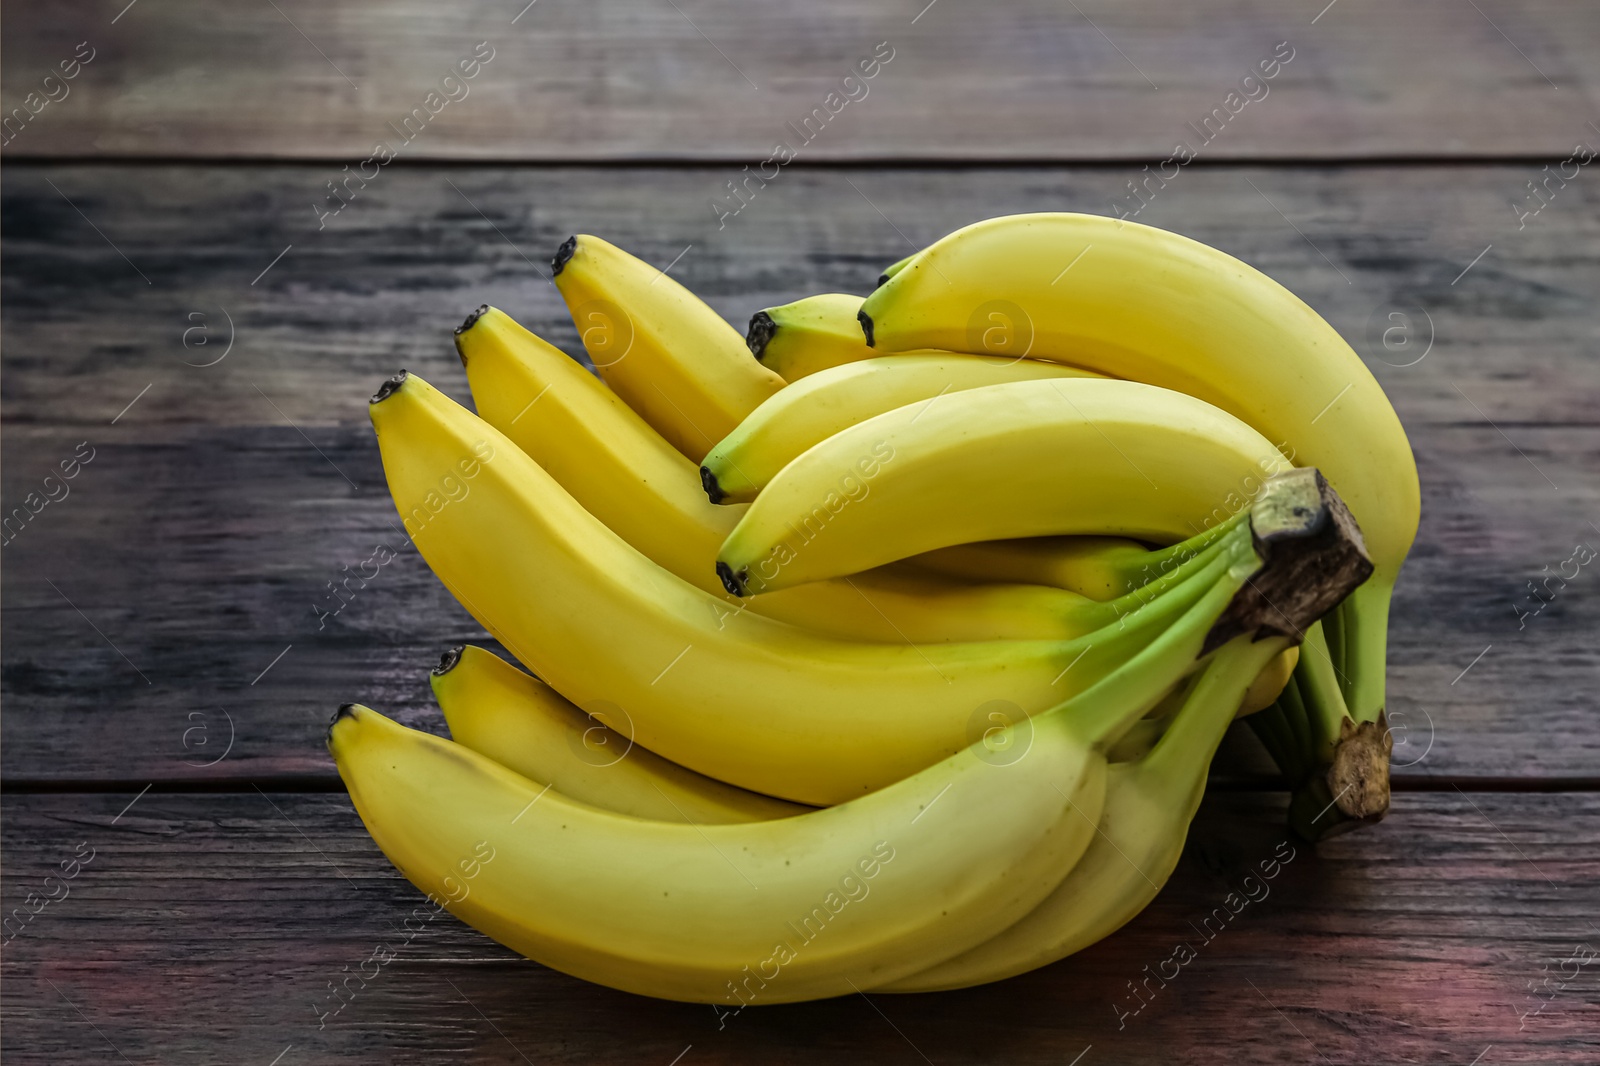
[207,928]
[201,537]
[627,79]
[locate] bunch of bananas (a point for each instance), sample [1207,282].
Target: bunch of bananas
[893,658]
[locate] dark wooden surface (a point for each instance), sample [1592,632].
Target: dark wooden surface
[207,928]
[692,79]
[158,625]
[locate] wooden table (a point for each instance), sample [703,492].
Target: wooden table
[179,323]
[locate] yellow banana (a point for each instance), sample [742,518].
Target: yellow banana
[809,335]
[1144,304]
[1077,455]
[626,475]
[525,725]
[1098,567]
[656,344]
[735,696]
[808,412]
[500,712]
[1270,682]
[894,268]
[865,893]
[1148,807]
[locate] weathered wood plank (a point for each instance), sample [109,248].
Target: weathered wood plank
[626,79]
[208,928]
[204,531]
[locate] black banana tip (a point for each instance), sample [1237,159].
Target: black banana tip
[883,279]
[471,320]
[760,333]
[734,583]
[389,387]
[866,325]
[564,254]
[708,481]
[346,710]
[448,661]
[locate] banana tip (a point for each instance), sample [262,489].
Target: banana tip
[731,581]
[762,327]
[708,481]
[470,321]
[563,255]
[389,387]
[883,279]
[346,710]
[866,325]
[448,660]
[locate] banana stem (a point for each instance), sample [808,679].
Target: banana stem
[1179,568]
[1298,556]
[1333,635]
[1159,562]
[1365,621]
[1100,715]
[1095,655]
[1272,728]
[1205,714]
[1342,779]
[1324,698]
[1303,752]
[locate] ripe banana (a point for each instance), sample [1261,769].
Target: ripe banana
[1077,455]
[525,725]
[1098,567]
[1148,807]
[894,268]
[809,335]
[1152,306]
[626,475]
[808,412]
[656,344]
[1269,683]
[736,696]
[796,908]
[504,714]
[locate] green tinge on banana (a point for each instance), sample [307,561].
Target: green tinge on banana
[894,268]
[1149,804]
[1101,568]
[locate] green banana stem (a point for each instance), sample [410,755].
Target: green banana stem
[1338,768]
[1174,764]
[1114,704]
[1303,751]
[1160,562]
[1096,655]
[1271,727]
[1175,569]
[1333,634]
[1364,619]
[1323,696]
